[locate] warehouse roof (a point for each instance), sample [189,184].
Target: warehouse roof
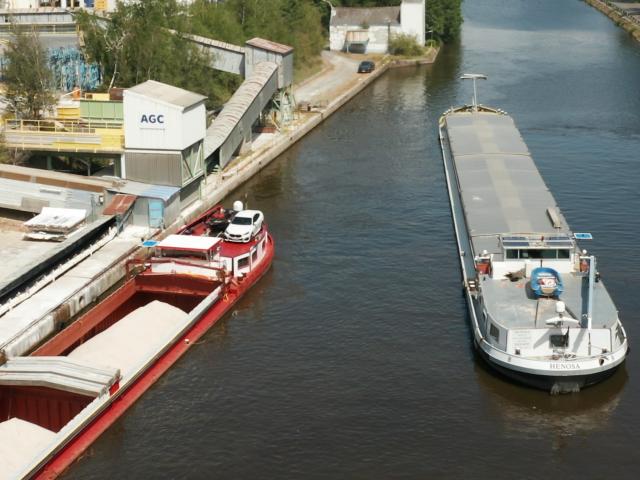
[270,46]
[168,94]
[54,179]
[146,190]
[366,16]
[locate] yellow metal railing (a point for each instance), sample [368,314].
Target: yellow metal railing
[64,135]
[60,126]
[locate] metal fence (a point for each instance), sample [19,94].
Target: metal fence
[64,136]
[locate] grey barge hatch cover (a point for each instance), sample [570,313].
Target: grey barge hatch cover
[501,188]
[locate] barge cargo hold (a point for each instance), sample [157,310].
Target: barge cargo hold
[561,333]
[57,401]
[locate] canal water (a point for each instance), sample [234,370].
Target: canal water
[353,357]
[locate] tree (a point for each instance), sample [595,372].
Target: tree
[145,39]
[405,44]
[293,22]
[140,41]
[28,79]
[4,153]
[444,17]
[10,155]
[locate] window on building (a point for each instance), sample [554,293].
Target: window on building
[537,254]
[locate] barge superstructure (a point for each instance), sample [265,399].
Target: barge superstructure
[539,312]
[55,402]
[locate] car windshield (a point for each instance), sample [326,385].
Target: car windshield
[241,221]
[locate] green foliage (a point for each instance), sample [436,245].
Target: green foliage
[28,79]
[137,44]
[444,17]
[10,155]
[405,45]
[366,3]
[4,154]
[431,43]
[293,22]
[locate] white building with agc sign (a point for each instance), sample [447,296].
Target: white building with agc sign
[164,130]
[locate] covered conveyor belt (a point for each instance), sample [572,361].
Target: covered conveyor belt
[233,125]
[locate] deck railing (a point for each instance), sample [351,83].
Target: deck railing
[64,135]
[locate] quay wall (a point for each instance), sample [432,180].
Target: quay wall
[234,177]
[214,192]
[628,24]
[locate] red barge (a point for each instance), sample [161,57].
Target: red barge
[57,401]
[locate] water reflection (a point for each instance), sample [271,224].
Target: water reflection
[526,413]
[353,357]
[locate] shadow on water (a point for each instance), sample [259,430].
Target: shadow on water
[527,412]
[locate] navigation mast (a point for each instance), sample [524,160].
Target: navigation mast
[474,77]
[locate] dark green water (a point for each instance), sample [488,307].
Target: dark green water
[353,357]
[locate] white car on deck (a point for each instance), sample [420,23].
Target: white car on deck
[245,225]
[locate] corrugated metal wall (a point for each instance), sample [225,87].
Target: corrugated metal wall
[172,210]
[155,168]
[224,56]
[31,197]
[190,193]
[254,56]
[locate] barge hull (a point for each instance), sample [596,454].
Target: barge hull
[55,466]
[552,384]
[536,376]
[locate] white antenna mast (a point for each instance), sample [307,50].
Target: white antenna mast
[474,77]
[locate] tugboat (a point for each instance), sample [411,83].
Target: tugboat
[57,401]
[540,313]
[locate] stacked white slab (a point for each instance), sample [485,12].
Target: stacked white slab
[53,219]
[134,339]
[20,441]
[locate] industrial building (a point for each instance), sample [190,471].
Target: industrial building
[153,136]
[164,130]
[369,30]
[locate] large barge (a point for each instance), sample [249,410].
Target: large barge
[55,402]
[539,312]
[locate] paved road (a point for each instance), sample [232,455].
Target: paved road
[340,73]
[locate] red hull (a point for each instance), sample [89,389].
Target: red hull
[123,399]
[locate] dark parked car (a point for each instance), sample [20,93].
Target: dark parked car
[366,66]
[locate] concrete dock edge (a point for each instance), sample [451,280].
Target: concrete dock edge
[614,14]
[213,192]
